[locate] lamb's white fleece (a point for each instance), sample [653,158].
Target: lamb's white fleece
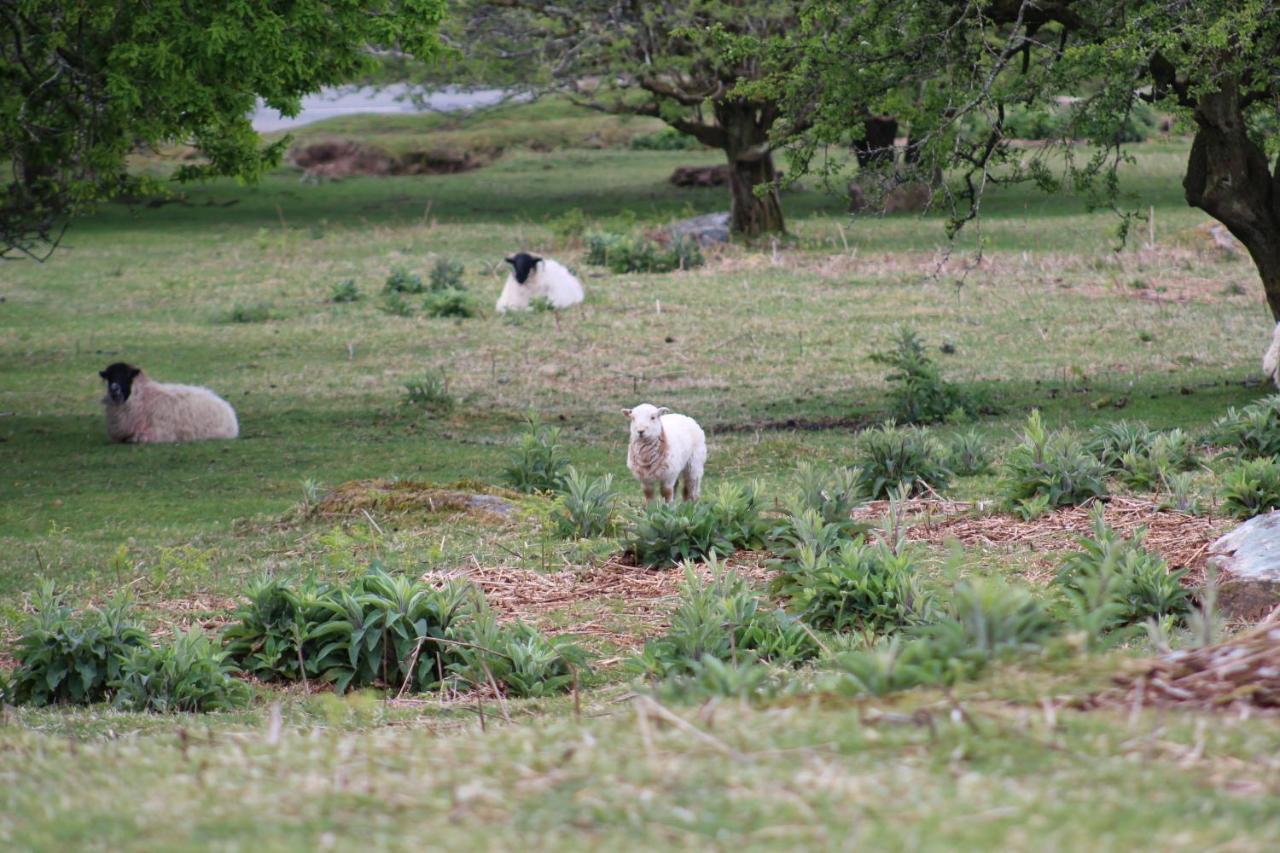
[549,280]
[664,448]
[1271,360]
[163,412]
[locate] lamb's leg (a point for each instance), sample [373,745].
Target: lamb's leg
[668,491]
[692,483]
[648,493]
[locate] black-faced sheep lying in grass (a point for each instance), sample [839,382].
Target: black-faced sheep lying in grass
[140,410]
[538,278]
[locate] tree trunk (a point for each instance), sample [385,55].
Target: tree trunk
[1227,177]
[875,148]
[746,136]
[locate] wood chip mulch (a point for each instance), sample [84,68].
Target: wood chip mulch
[630,603]
[1240,674]
[1183,540]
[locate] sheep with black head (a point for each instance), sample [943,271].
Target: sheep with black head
[140,410]
[533,278]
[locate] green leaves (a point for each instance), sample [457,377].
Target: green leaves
[537,463]
[726,519]
[1050,469]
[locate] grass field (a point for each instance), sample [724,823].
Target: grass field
[768,347]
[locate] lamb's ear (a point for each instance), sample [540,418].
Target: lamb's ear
[134,371]
[626,412]
[102,373]
[663,410]
[511,261]
[535,259]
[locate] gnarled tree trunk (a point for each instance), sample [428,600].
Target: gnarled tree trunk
[746,145]
[1228,178]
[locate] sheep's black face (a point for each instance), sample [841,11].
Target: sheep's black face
[119,377]
[523,264]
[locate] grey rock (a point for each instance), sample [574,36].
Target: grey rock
[1248,559]
[490,503]
[706,229]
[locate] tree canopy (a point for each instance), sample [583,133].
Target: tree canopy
[950,70]
[84,84]
[671,60]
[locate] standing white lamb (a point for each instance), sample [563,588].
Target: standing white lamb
[1271,360]
[140,410]
[665,447]
[533,278]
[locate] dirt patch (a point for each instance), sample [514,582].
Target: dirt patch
[622,604]
[1241,674]
[341,158]
[801,424]
[402,496]
[1183,540]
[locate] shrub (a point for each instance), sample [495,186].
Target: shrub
[525,662]
[1142,458]
[257,313]
[429,391]
[394,303]
[449,302]
[832,492]
[722,619]
[377,629]
[897,663]
[918,394]
[667,139]
[1050,469]
[188,674]
[67,657]
[537,463]
[893,457]
[624,254]
[969,454]
[1113,582]
[858,586]
[402,281]
[345,291]
[989,617]
[587,508]
[447,275]
[727,520]
[1252,432]
[1251,488]
[569,225]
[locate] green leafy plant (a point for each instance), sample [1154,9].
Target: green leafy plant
[345,291]
[537,463]
[1251,487]
[1253,432]
[1050,469]
[447,275]
[449,302]
[989,617]
[721,618]
[588,506]
[402,281]
[1112,582]
[969,454]
[857,586]
[726,520]
[899,663]
[259,312]
[832,492]
[1140,457]
[628,254]
[918,394]
[187,674]
[892,457]
[394,303]
[667,139]
[65,657]
[518,658]
[430,391]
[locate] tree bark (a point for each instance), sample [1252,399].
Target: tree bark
[1228,178]
[746,145]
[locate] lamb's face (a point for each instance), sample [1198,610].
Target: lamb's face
[119,378]
[523,265]
[646,420]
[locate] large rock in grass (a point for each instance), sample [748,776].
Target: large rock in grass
[1248,559]
[706,229]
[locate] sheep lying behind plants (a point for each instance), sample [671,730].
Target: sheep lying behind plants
[538,278]
[666,447]
[1271,360]
[140,410]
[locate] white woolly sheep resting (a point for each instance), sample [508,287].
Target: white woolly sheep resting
[140,410]
[664,448]
[538,278]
